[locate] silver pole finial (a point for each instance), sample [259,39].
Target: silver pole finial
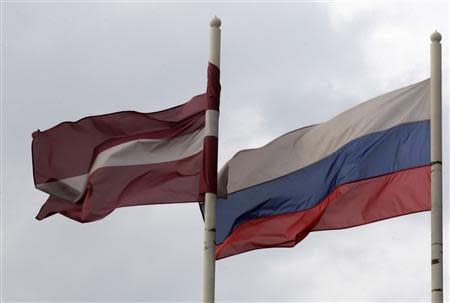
[436,37]
[215,22]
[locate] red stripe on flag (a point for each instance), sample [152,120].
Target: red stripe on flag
[213,87]
[374,199]
[349,205]
[208,179]
[112,187]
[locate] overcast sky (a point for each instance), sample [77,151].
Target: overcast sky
[284,66]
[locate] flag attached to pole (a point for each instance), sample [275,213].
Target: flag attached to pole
[370,163]
[99,163]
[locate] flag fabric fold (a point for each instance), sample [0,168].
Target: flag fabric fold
[99,163]
[369,163]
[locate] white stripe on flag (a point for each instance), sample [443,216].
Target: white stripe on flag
[136,152]
[212,123]
[303,147]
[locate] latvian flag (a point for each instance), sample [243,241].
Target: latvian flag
[370,163]
[99,163]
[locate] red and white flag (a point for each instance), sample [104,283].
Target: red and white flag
[99,163]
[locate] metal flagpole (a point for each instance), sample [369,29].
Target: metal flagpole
[211,124]
[436,169]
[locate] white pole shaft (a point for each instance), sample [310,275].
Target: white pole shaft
[436,169]
[209,257]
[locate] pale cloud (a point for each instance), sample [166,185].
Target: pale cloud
[394,43]
[343,13]
[251,133]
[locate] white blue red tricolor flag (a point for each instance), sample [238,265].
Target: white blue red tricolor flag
[100,163]
[370,163]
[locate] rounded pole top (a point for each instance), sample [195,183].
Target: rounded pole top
[215,22]
[435,37]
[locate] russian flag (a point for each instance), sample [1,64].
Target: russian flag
[369,163]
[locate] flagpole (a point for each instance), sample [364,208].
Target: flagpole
[211,123]
[436,168]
